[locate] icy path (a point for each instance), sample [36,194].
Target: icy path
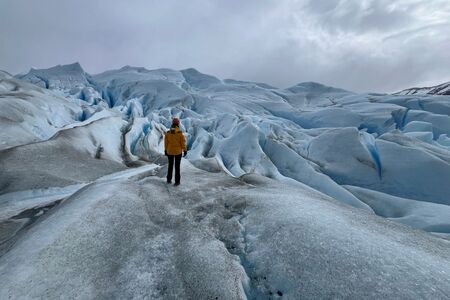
[215,237]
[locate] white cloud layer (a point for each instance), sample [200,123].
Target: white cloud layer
[361,45]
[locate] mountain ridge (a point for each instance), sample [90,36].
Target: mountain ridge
[440,89]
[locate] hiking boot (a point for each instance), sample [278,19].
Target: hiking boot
[176,183]
[169,181]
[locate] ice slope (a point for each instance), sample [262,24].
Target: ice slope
[65,159]
[384,164]
[19,210]
[219,238]
[418,214]
[324,137]
[314,94]
[29,113]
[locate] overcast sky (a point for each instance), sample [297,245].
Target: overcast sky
[360,45]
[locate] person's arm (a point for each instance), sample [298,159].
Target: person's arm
[183,144]
[166,142]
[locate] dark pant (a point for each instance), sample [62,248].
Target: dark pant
[177,159]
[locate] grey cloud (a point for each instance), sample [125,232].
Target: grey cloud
[355,44]
[358,16]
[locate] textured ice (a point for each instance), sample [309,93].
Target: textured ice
[59,77]
[418,126]
[441,123]
[30,114]
[67,158]
[417,214]
[219,237]
[444,141]
[12,204]
[312,249]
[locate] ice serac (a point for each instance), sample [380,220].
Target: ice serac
[59,77]
[66,80]
[288,163]
[198,80]
[341,155]
[314,94]
[429,181]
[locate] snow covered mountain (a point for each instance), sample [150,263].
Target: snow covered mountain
[442,89]
[258,154]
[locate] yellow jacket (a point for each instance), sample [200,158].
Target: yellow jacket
[174,142]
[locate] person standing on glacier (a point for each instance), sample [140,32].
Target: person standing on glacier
[174,147]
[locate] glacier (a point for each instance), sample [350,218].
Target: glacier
[329,137]
[285,190]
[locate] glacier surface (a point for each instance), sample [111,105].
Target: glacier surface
[219,237]
[286,190]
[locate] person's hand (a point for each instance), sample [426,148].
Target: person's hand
[185,153]
[165,153]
